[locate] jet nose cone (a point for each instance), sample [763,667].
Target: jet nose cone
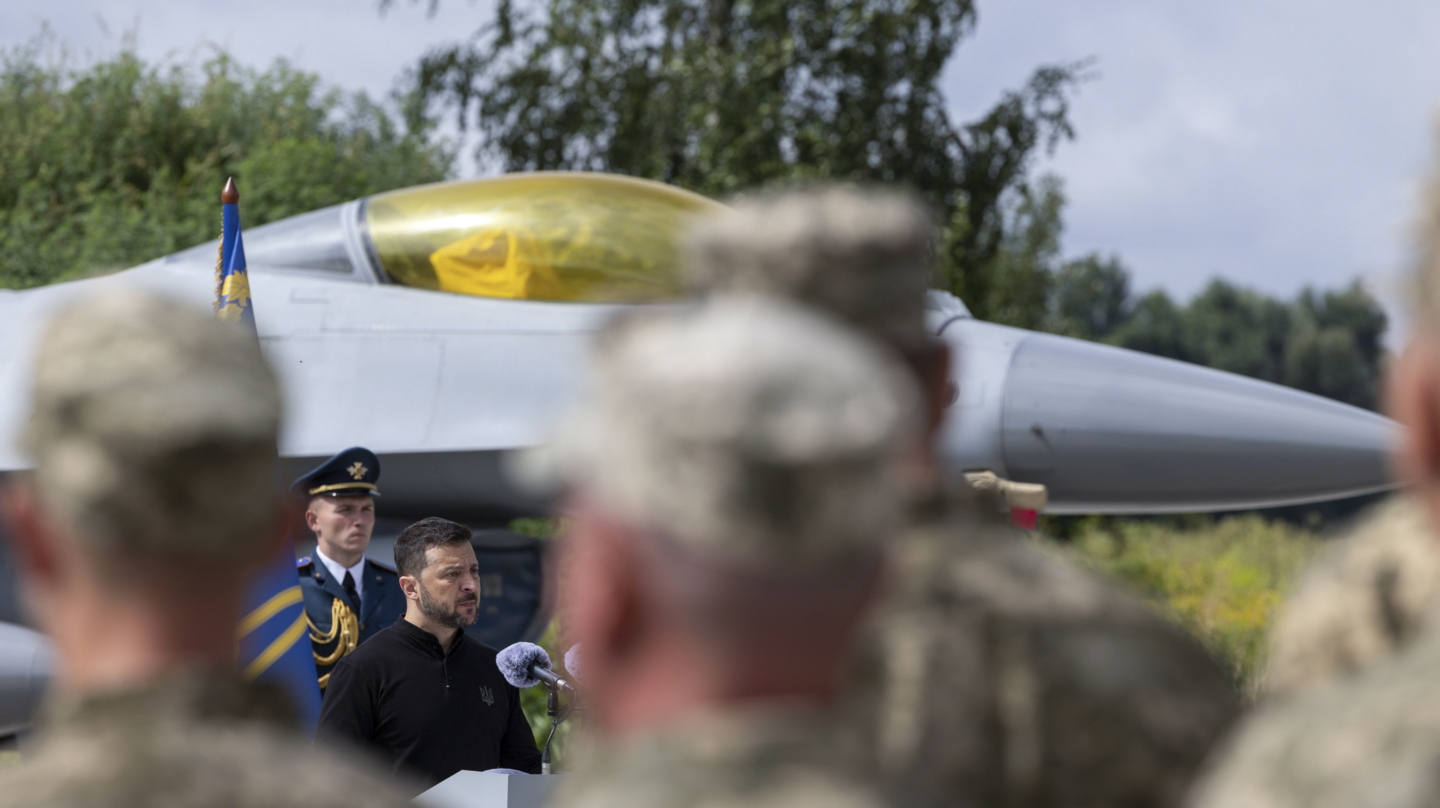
[1115,431]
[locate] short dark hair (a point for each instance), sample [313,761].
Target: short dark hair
[432,531]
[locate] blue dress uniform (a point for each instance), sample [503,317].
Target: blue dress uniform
[337,622]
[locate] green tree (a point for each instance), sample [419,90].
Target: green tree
[1155,325]
[1021,273]
[108,165]
[1336,347]
[1328,343]
[1091,298]
[720,96]
[1238,330]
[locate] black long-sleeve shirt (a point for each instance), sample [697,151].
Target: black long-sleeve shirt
[428,712]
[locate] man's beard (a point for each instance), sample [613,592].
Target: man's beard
[443,613]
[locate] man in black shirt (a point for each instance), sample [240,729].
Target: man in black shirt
[422,694]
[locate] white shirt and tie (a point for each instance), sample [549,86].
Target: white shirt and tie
[356,573]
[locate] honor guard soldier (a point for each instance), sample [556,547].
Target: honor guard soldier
[348,597]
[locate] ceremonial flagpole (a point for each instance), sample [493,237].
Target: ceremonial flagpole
[273,643]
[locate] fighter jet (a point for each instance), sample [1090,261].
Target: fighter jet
[447,325]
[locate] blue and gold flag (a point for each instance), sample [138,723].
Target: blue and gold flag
[273,642]
[232,283]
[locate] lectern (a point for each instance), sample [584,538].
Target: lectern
[490,790]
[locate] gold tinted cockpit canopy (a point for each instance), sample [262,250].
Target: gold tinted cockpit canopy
[580,237]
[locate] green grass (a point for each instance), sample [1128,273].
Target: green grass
[1222,581]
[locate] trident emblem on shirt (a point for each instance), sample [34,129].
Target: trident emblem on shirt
[486,696]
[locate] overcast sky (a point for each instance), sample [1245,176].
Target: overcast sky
[1276,143]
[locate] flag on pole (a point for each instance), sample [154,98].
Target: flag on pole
[232,283]
[273,643]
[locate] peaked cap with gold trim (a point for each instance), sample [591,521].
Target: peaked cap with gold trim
[351,473]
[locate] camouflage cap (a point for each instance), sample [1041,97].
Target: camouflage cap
[747,426]
[864,256]
[153,429]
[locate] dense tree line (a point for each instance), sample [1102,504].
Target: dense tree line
[104,166]
[1325,342]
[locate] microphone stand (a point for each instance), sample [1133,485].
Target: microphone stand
[557,716]
[552,709]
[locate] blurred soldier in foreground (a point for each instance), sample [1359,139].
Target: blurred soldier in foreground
[998,673]
[1363,600]
[734,479]
[153,433]
[1372,737]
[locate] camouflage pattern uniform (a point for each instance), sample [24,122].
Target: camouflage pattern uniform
[152,431]
[1361,601]
[756,436]
[761,757]
[198,741]
[999,672]
[1363,741]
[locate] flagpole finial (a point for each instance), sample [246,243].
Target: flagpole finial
[230,195]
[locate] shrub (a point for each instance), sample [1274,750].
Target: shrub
[1221,581]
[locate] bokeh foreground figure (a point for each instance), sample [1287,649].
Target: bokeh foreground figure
[998,673]
[1363,599]
[734,479]
[153,436]
[1359,726]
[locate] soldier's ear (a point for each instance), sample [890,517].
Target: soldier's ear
[1412,397]
[29,534]
[940,387]
[312,519]
[930,365]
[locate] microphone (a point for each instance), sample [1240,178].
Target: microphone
[526,664]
